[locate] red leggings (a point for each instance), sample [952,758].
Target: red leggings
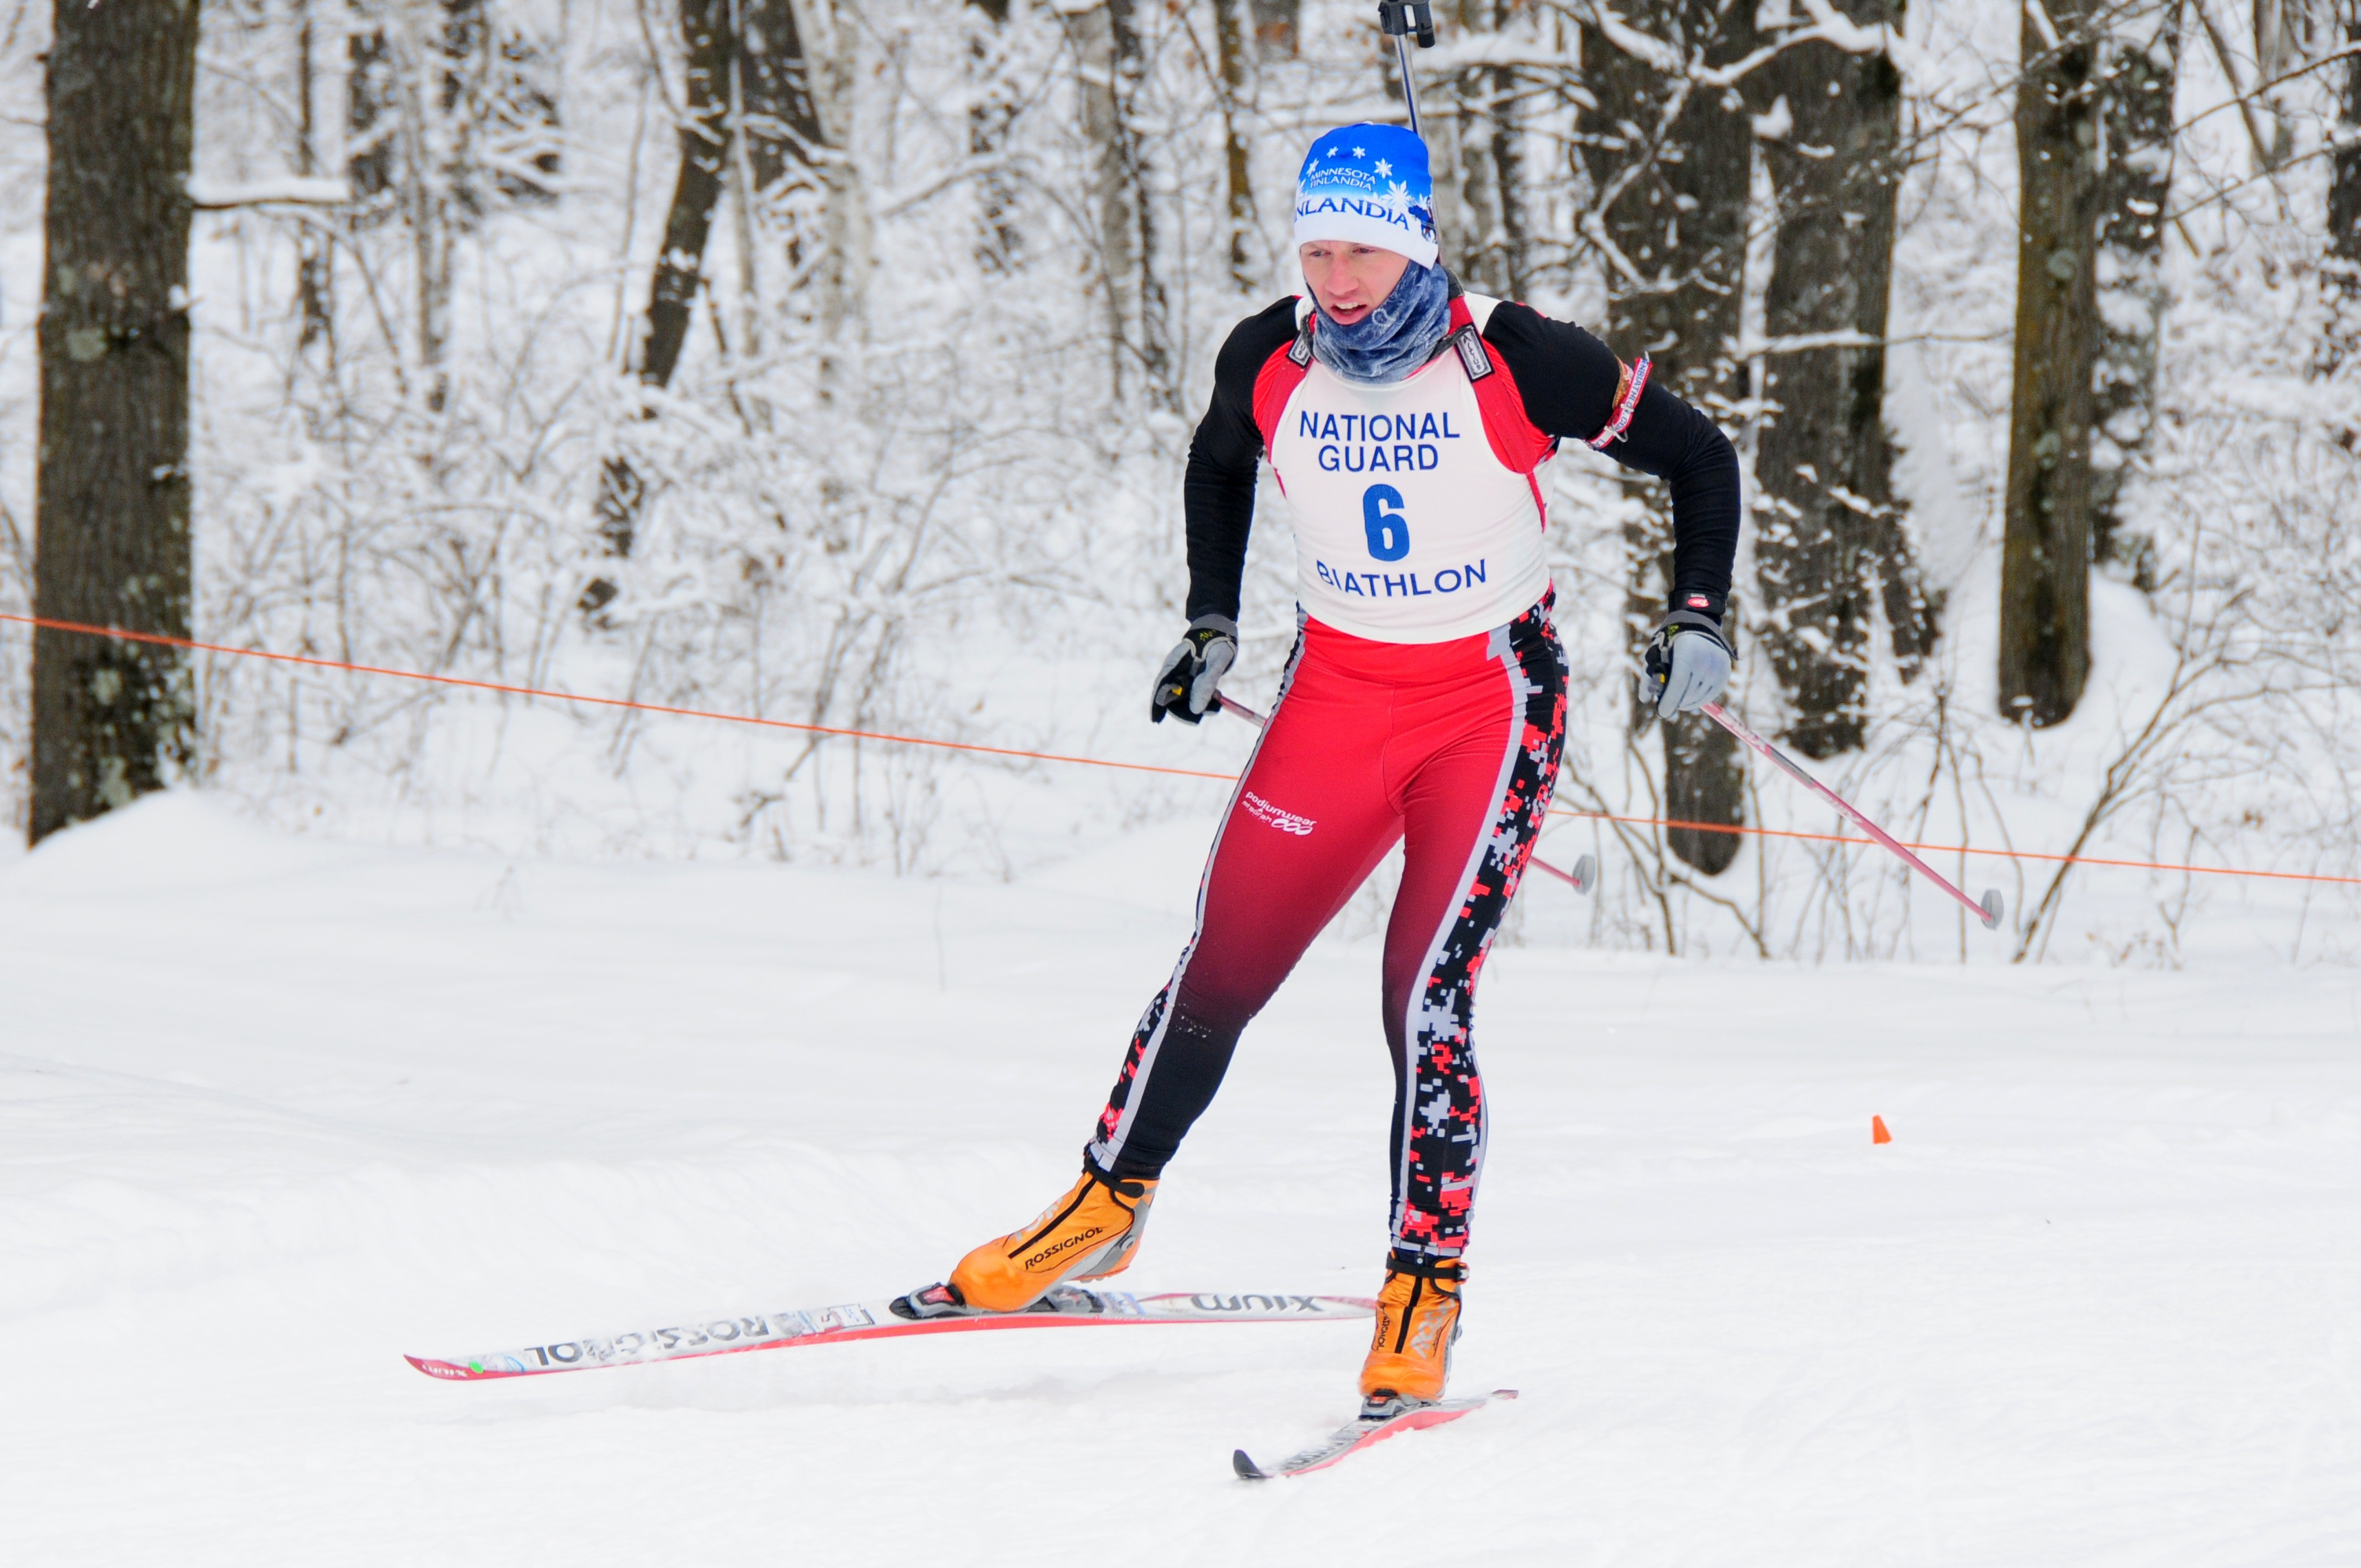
[1450,748]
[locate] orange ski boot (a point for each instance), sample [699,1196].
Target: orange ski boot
[1089,1234]
[1410,1353]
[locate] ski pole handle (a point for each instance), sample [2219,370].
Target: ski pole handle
[1405,18]
[1988,911]
[1582,879]
[1400,20]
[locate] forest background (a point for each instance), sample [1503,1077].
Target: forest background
[836,362]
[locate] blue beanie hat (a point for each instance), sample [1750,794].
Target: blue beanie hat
[1369,184]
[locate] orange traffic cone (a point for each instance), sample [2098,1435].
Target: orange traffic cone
[1877,1132]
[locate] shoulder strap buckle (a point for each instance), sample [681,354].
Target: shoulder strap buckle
[1300,351]
[1472,355]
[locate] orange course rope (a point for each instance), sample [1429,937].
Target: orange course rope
[632,705]
[1958,848]
[162,641]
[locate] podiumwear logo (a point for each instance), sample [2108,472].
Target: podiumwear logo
[1284,820]
[1369,184]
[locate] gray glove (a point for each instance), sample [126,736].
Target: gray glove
[1185,686]
[1688,663]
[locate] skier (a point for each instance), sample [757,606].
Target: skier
[1424,703]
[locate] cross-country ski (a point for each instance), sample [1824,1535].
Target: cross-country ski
[1067,1306]
[1391,1419]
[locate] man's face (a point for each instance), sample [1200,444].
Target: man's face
[1350,280]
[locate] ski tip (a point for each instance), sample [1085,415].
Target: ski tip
[1586,873]
[467,1371]
[1504,1393]
[1247,1470]
[1991,908]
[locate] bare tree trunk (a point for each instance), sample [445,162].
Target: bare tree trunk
[989,118]
[772,135]
[782,122]
[1479,207]
[1106,44]
[315,282]
[1672,167]
[111,719]
[751,63]
[1230,44]
[2342,271]
[2045,615]
[370,106]
[1513,268]
[1093,34]
[697,188]
[1155,345]
[704,27]
[424,195]
[2142,65]
[1451,103]
[2278,44]
[1829,535]
[842,281]
[741,182]
[443,54]
[776,137]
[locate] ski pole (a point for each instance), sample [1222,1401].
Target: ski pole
[1582,879]
[1399,20]
[1988,911]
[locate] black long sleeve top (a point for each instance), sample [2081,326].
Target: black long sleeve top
[1568,381]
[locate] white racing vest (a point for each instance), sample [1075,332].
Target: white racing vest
[1409,525]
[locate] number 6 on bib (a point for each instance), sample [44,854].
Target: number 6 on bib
[1388,530]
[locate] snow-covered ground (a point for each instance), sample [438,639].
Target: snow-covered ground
[273,1110]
